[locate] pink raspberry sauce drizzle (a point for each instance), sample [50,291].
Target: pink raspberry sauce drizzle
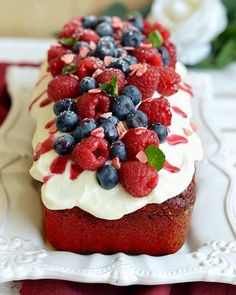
[50,123]
[45,102]
[175,139]
[185,87]
[42,78]
[37,98]
[45,146]
[179,112]
[170,168]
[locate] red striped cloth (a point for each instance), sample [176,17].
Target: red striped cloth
[49,287]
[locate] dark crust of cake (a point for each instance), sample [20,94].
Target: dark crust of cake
[156,229]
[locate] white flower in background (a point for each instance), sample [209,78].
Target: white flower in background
[193,25]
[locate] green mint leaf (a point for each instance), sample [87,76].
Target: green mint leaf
[110,88]
[155,39]
[155,156]
[67,41]
[70,68]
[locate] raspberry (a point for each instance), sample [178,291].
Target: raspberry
[89,35]
[56,51]
[107,75]
[157,111]
[147,27]
[168,82]
[137,140]
[137,178]
[91,153]
[88,65]
[92,105]
[162,30]
[71,30]
[63,86]
[171,48]
[148,55]
[147,83]
[56,65]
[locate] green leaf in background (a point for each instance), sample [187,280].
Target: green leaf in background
[110,88]
[155,39]
[117,9]
[70,68]
[67,41]
[227,53]
[155,156]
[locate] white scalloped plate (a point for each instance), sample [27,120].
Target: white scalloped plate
[209,253]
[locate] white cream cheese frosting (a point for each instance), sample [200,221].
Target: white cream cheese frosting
[60,192]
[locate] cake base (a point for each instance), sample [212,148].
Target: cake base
[156,229]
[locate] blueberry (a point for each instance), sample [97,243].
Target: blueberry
[131,59]
[104,49]
[90,21]
[78,45]
[133,92]
[62,105]
[121,106]
[136,21]
[104,29]
[160,130]
[107,176]
[120,64]
[64,144]
[86,84]
[118,150]
[110,131]
[120,51]
[131,38]
[84,129]
[165,56]
[105,18]
[136,119]
[107,39]
[67,121]
[112,119]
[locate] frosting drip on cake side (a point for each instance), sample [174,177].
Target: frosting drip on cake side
[64,191]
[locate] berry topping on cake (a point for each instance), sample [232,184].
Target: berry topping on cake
[160,130]
[107,76]
[84,129]
[86,84]
[168,82]
[137,140]
[157,111]
[67,121]
[147,82]
[107,176]
[106,71]
[121,106]
[137,178]
[63,86]
[117,149]
[66,104]
[63,144]
[91,153]
[92,105]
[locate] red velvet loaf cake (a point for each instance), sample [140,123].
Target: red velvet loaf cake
[114,145]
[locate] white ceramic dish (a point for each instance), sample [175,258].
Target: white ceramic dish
[209,253]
